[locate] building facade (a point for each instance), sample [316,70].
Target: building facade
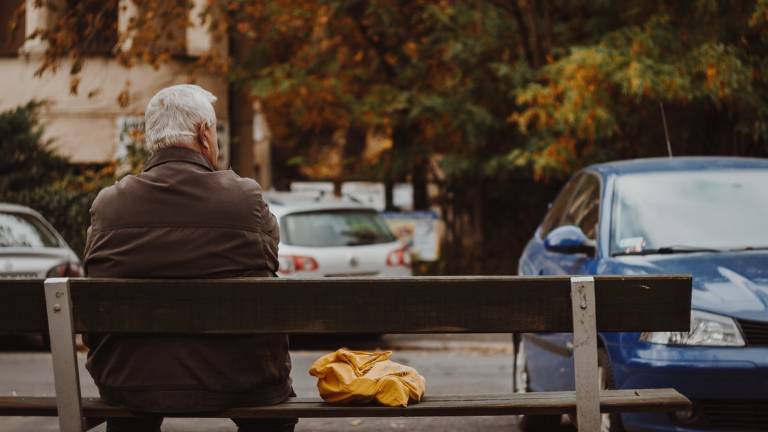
[90,126]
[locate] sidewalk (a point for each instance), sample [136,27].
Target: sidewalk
[480,343]
[447,372]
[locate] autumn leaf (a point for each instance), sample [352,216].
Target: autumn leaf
[74,83]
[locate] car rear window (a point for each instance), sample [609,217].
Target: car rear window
[24,230]
[335,228]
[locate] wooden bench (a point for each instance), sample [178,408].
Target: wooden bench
[583,305]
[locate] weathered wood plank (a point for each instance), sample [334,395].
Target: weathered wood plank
[651,400]
[637,299]
[621,304]
[585,353]
[22,306]
[64,353]
[375,305]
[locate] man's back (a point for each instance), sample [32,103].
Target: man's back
[182,219]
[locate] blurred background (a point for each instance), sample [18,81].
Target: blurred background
[463,118]
[428,137]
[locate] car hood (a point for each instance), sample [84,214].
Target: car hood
[731,283]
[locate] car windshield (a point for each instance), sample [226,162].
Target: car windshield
[24,230]
[690,211]
[336,228]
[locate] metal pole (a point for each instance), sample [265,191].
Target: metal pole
[61,329]
[666,131]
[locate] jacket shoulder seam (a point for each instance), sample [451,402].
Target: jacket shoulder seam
[175,226]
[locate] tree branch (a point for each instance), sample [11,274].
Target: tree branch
[513,7]
[381,51]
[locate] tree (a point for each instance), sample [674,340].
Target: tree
[435,73]
[411,70]
[437,76]
[474,94]
[703,60]
[27,161]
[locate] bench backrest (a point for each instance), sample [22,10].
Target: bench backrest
[492,304]
[583,305]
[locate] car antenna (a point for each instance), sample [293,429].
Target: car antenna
[666,131]
[353,198]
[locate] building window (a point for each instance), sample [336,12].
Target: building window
[12,26]
[95,25]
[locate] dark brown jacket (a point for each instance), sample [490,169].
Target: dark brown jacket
[180,218]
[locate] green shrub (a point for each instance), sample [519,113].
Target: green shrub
[25,160]
[32,174]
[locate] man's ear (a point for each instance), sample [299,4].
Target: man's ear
[201,129]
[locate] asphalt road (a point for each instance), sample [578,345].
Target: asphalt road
[451,364]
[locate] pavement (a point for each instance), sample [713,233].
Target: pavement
[451,364]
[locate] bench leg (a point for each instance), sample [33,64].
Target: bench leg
[585,353]
[67,381]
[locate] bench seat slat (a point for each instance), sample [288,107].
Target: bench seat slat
[648,400]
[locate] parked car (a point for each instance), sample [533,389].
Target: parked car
[702,216]
[325,236]
[31,248]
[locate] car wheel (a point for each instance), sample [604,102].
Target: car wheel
[531,423]
[609,422]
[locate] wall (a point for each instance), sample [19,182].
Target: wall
[85,128]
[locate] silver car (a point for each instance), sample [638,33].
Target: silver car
[325,236]
[31,248]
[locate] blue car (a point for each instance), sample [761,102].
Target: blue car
[703,216]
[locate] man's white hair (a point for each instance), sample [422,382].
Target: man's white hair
[174,114]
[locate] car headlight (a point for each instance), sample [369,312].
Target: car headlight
[707,329]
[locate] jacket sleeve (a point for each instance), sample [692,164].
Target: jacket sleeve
[269,229]
[90,234]
[271,233]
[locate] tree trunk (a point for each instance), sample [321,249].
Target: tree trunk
[241,131]
[389,201]
[523,31]
[416,165]
[240,116]
[419,180]
[547,28]
[529,6]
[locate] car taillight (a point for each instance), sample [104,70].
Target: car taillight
[297,263]
[66,270]
[399,258]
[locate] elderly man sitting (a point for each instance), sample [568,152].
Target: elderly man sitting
[183,218]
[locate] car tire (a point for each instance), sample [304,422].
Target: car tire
[531,423]
[610,422]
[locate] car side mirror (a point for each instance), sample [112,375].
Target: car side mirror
[569,239]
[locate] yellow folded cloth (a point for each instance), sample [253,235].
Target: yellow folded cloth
[360,377]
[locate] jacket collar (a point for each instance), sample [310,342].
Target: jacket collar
[177,154]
